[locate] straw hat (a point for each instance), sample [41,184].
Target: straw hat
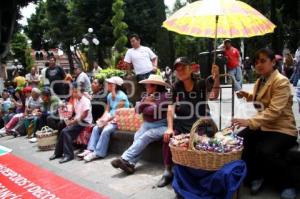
[155,79]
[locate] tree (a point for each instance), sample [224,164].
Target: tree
[119,26]
[145,18]
[37,28]
[94,14]
[61,30]
[21,50]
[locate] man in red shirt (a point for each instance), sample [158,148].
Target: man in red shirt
[233,64]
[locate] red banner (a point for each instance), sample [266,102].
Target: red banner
[21,179]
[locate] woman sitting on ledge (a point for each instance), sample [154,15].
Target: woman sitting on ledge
[106,126]
[153,106]
[272,131]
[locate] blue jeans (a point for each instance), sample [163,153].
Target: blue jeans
[149,132]
[238,77]
[100,139]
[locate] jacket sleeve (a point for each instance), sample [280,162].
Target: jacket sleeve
[278,102]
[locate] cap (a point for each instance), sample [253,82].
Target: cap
[115,80]
[181,60]
[46,91]
[227,40]
[27,89]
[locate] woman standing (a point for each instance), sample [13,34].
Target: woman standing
[272,131]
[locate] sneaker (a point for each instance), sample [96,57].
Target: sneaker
[84,153]
[33,140]
[289,193]
[2,132]
[126,166]
[91,156]
[256,186]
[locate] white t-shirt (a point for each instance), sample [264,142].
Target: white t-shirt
[82,105]
[84,81]
[140,58]
[43,78]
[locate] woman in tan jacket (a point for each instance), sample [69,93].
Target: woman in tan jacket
[272,131]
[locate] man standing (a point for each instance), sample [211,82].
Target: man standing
[82,79]
[55,73]
[233,64]
[142,58]
[96,68]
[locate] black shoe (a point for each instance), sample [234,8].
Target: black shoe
[116,163]
[54,157]
[256,186]
[65,159]
[165,180]
[126,166]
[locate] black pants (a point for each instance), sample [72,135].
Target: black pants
[64,145]
[55,123]
[264,153]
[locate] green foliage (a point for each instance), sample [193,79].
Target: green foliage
[110,72]
[119,26]
[37,26]
[114,58]
[20,50]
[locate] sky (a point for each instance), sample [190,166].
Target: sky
[30,9]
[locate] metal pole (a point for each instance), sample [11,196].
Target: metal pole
[215,42]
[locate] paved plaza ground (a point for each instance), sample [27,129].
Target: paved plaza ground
[101,177]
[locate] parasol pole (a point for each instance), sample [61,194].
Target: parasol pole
[215,42]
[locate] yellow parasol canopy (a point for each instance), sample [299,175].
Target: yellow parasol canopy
[233,18]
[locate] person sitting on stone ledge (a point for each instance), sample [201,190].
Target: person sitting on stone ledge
[106,125]
[153,107]
[82,118]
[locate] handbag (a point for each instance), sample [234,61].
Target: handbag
[46,138]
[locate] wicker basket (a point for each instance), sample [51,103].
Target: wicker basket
[46,138]
[204,160]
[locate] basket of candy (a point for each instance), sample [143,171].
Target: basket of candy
[203,151]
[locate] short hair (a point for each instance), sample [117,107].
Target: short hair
[100,81]
[134,35]
[265,51]
[36,90]
[47,64]
[52,57]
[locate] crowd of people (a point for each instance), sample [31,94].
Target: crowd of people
[28,107]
